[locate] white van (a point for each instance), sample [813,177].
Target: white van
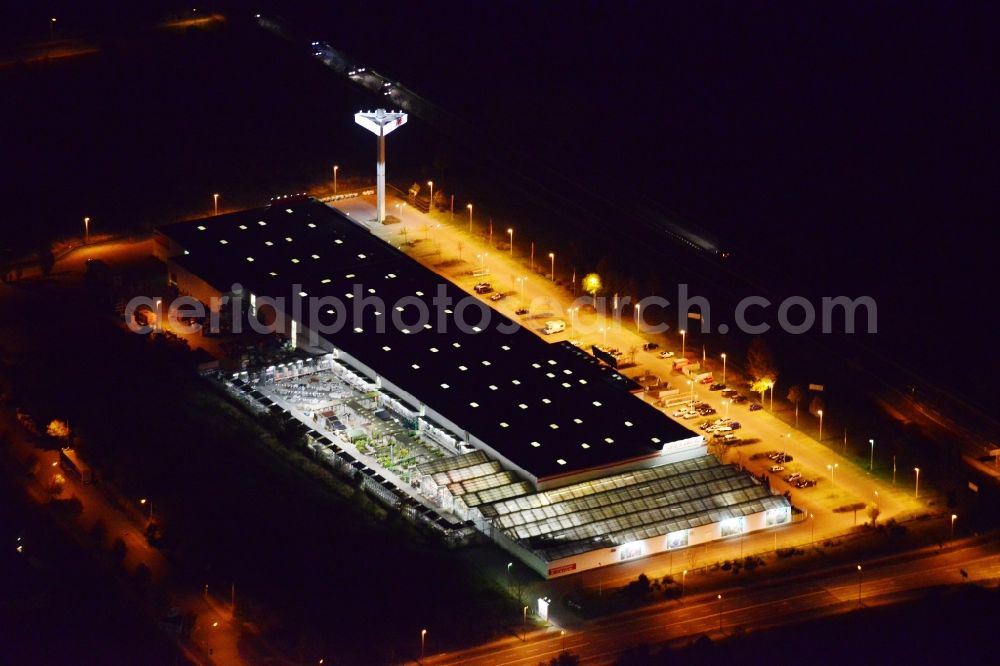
[554,326]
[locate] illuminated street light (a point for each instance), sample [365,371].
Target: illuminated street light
[723,368]
[859,585]
[871,456]
[832,468]
[916,487]
[423,638]
[683,579]
[683,341]
[719,597]
[430,206]
[820,413]
[812,537]
[335,169]
[562,635]
[86,230]
[953,518]
[469,206]
[144,501]
[215,201]
[52,29]
[552,261]
[510,232]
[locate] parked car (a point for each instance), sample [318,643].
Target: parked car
[666,354]
[483,288]
[793,476]
[716,387]
[729,393]
[731,437]
[735,425]
[650,346]
[499,296]
[755,407]
[739,399]
[679,413]
[521,311]
[775,468]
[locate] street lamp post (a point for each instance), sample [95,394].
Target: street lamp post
[215,201]
[423,638]
[859,586]
[812,522]
[916,487]
[510,232]
[524,623]
[335,169]
[723,369]
[430,206]
[820,413]
[52,29]
[719,597]
[683,341]
[871,456]
[552,269]
[150,502]
[509,565]
[726,403]
[832,468]
[86,230]
[469,206]
[953,517]
[562,635]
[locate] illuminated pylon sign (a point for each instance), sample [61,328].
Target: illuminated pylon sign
[380,122]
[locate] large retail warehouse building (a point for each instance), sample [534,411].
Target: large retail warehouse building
[554,457]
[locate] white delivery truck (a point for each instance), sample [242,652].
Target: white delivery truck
[554,326]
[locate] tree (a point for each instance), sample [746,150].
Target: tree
[58,430]
[761,386]
[592,285]
[816,405]
[760,363]
[795,397]
[564,659]
[47,261]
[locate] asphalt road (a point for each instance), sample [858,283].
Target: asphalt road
[763,606]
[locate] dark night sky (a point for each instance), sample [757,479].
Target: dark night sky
[848,149]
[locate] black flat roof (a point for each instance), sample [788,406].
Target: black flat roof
[550,409]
